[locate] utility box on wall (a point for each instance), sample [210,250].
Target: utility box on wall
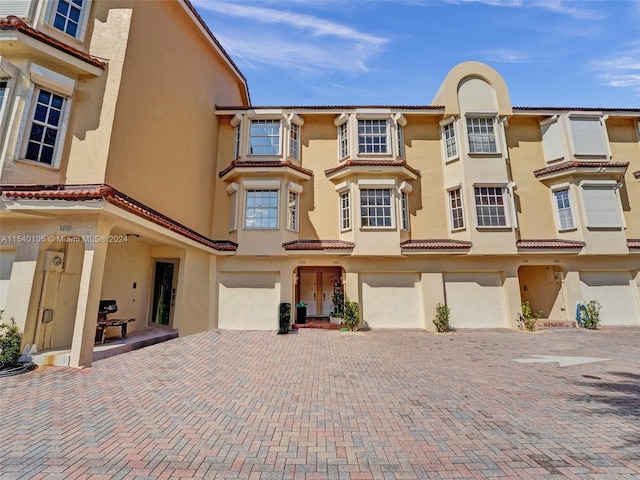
[53,261]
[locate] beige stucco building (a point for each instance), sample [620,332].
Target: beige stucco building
[134,167]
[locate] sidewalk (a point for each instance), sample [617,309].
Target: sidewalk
[326,405]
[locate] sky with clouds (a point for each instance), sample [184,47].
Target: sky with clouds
[397,52]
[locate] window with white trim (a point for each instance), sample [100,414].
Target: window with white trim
[261,209]
[375,207]
[490,206]
[264,137]
[601,206]
[455,209]
[343,140]
[405,210]
[294,141]
[552,140]
[481,133]
[233,210]
[563,209]
[68,16]
[449,139]
[345,211]
[400,141]
[236,141]
[45,122]
[292,212]
[373,136]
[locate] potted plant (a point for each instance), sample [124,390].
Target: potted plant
[301,312]
[285,318]
[351,315]
[337,307]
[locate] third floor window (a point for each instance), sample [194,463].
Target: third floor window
[264,137]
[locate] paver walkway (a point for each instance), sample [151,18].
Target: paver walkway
[325,405]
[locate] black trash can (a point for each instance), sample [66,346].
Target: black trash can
[301,315]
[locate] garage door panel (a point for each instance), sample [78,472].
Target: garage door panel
[392,300]
[615,293]
[476,300]
[249,301]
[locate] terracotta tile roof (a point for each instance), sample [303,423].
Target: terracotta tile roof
[113,196]
[636,174]
[328,107]
[633,243]
[552,244]
[14,23]
[318,245]
[576,164]
[267,164]
[375,163]
[438,244]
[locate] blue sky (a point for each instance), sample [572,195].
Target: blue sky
[397,52]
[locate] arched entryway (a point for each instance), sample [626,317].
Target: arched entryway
[541,286]
[316,286]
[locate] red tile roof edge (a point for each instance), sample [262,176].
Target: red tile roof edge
[375,163]
[14,23]
[577,164]
[633,243]
[318,245]
[542,110]
[113,196]
[267,164]
[550,244]
[435,244]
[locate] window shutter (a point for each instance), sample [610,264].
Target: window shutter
[19,8]
[551,141]
[588,138]
[602,207]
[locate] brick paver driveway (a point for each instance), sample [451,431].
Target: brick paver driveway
[324,405]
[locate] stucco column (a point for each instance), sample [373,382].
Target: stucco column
[432,285]
[84,330]
[19,295]
[512,298]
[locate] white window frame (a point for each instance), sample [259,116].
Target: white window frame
[293,207]
[378,185]
[8,73]
[450,142]
[344,206]
[558,190]
[278,137]
[232,190]
[294,141]
[261,186]
[400,121]
[379,140]
[506,205]
[554,127]
[608,185]
[452,220]
[342,129]
[405,189]
[82,20]
[55,83]
[495,125]
[400,131]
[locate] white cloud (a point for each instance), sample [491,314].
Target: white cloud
[573,9]
[333,45]
[621,70]
[505,56]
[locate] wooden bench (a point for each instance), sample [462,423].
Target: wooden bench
[104,322]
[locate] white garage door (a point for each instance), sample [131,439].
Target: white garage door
[249,300]
[615,293]
[476,300]
[392,300]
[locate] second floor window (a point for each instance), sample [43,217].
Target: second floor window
[405,210]
[261,209]
[294,141]
[292,212]
[343,141]
[372,136]
[481,134]
[455,204]
[375,207]
[45,126]
[345,211]
[264,137]
[490,207]
[563,206]
[67,16]
[449,139]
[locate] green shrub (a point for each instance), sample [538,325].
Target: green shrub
[593,315]
[10,339]
[441,320]
[351,315]
[527,319]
